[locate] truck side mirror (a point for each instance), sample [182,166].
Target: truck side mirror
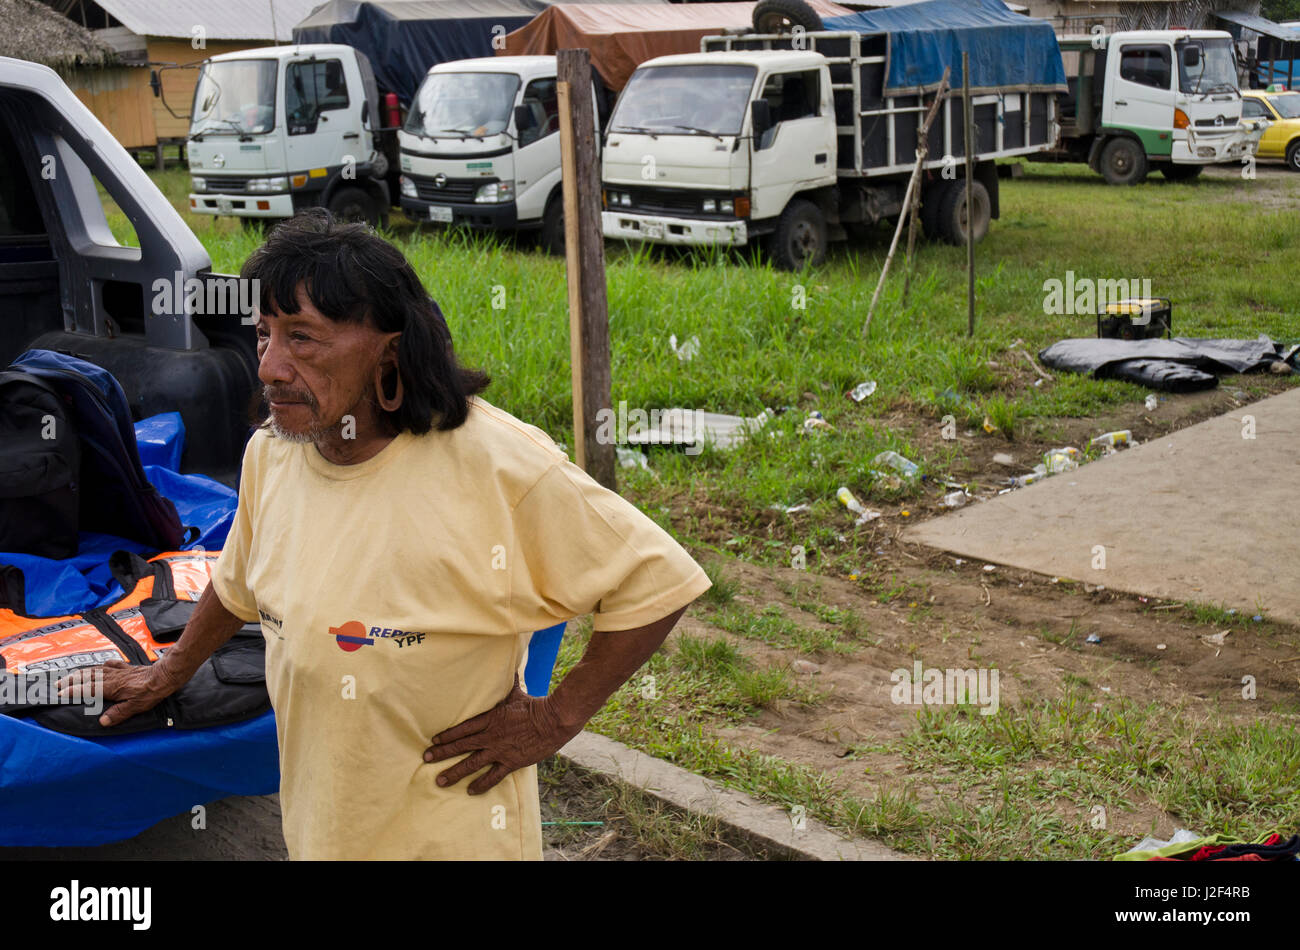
[761,112]
[154,84]
[1192,57]
[523,119]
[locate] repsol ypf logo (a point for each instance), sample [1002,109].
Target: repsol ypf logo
[354,635]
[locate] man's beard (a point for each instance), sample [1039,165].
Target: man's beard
[314,433]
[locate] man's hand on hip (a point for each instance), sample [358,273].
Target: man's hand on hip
[519,731]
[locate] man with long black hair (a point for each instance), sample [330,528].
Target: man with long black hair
[399,538]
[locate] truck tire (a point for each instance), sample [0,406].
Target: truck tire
[1123,162]
[552,236]
[779,16]
[354,204]
[952,211]
[1293,156]
[1181,172]
[800,237]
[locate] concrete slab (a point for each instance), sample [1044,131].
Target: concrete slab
[1206,514]
[766,824]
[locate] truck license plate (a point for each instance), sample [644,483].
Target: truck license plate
[224,206]
[653,231]
[440,213]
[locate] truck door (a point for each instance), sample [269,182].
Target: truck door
[537,159]
[798,151]
[1140,94]
[322,116]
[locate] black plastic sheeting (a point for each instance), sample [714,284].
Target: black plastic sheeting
[1183,364]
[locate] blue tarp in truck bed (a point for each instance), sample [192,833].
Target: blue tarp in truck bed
[404,39]
[1008,52]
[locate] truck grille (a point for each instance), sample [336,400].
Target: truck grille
[454,189]
[669,201]
[227,183]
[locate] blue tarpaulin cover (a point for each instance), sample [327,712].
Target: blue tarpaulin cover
[1008,52]
[404,39]
[62,791]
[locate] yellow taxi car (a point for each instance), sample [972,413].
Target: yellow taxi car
[1282,138]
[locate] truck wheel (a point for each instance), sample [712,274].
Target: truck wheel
[952,211]
[553,226]
[800,237]
[1181,172]
[1123,162]
[778,16]
[354,204]
[1293,156]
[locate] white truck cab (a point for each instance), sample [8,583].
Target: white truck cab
[480,148]
[678,168]
[278,129]
[1153,99]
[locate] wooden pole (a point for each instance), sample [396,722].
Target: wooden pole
[969,137]
[913,187]
[584,253]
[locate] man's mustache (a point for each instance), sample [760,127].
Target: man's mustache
[276,394]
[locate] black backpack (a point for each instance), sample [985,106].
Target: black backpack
[40,468]
[88,476]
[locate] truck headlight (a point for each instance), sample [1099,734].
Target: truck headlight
[709,206]
[268,185]
[408,187]
[199,184]
[727,206]
[495,193]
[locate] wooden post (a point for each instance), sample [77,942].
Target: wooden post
[584,252]
[968,123]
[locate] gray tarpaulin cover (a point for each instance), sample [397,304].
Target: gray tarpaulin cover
[1177,365]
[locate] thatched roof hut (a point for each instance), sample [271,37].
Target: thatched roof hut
[31,30]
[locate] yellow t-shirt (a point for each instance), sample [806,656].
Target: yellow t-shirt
[397,597]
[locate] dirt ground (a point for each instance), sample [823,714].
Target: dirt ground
[954,613]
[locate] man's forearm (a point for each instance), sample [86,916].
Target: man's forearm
[611,659]
[210,626]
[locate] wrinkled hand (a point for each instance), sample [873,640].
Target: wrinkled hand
[519,731]
[135,689]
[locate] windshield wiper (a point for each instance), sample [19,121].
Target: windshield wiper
[699,131]
[1225,86]
[637,128]
[244,136]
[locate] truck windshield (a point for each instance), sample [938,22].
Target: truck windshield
[1215,72]
[233,96]
[685,100]
[466,104]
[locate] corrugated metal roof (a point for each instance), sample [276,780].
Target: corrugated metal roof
[221,20]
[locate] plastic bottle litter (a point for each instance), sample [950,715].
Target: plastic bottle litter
[1020,481]
[1115,439]
[955,499]
[907,468]
[1152,402]
[848,501]
[862,390]
[1093,638]
[1061,460]
[815,420]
